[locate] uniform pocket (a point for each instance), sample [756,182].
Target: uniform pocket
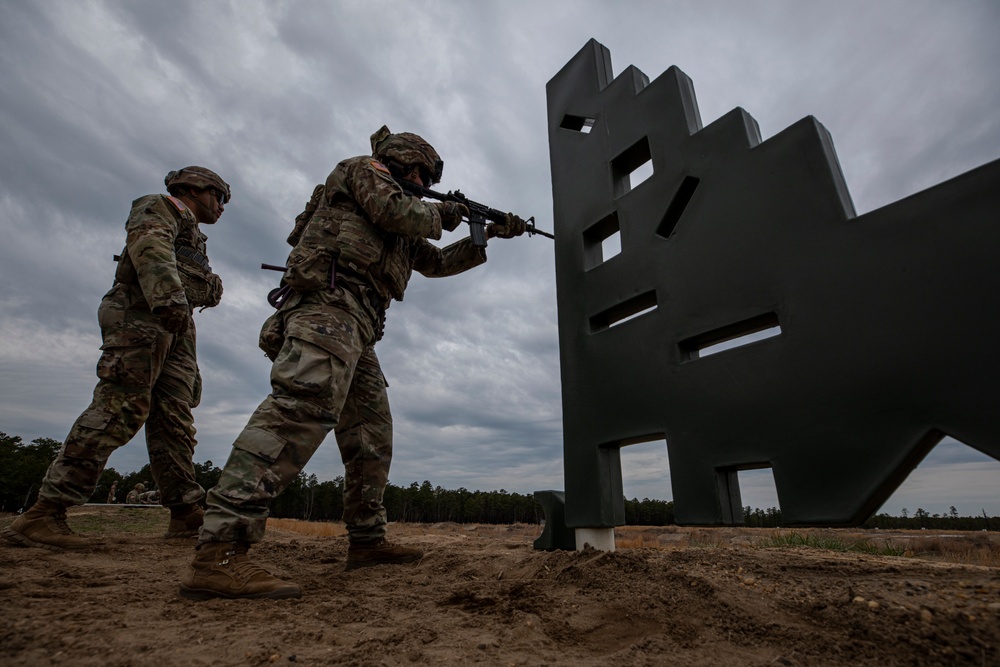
[254,452]
[334,330]
[262,444]
[127,366]
[94,419]
[304,369]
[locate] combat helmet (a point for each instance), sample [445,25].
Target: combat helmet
[197,177]
[407,149]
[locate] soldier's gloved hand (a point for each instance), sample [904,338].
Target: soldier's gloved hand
[174,319]
[451,214]
[511,226]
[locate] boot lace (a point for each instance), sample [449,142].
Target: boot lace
[243,568]
[59,519]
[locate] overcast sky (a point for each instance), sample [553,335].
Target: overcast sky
[99,100]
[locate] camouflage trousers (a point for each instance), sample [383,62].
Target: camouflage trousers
[146,376]
[325,378]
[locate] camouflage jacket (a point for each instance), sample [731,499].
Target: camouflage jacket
[375,232]
[166,255]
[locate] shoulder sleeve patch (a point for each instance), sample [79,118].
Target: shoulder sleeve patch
[381,167]
[178,203]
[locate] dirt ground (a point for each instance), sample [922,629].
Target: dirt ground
[482,594]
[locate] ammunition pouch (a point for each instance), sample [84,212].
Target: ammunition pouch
[272,335]
[309,269]
[393,272]
[360,243]
[202,288]
[303,218]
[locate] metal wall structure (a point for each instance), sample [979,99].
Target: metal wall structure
[883,329]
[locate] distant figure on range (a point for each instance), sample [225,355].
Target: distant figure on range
[133,496]
[113,493]
[148,370]
[151,497]
[140,496]
[353,250]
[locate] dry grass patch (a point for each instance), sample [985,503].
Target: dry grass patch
[965,548]
[399,529]
[314,528]
[972,549]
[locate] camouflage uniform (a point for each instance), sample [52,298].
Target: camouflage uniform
[149,497]
[147,375]
[369,235]
[133,496]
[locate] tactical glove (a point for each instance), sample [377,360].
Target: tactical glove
[512,226]
[174,319]
[451,214]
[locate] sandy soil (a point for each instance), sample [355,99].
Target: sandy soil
[482,594]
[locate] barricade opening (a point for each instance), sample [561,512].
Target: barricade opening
[757,490]
[646,483]
[602,241]
[678,204]
[632,167]
[623,312]
[730,336]
[577,123]
[949,470]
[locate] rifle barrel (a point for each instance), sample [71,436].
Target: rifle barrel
[535,230]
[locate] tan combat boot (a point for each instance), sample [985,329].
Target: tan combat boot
[224,570]
[44,526]
[185,520]
[380,552]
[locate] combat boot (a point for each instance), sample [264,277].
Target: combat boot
[185,520]
[44,526]
[224,570]
[380,552]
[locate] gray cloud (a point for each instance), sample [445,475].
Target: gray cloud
[102,98]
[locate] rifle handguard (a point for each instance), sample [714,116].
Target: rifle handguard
[479,214]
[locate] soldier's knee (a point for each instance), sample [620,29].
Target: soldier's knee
[253,471]
[98,432]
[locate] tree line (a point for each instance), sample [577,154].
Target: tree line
[920,519]
[22,467]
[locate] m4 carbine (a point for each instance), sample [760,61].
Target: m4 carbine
[479,214]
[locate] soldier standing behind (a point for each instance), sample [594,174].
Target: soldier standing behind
[113,493]
[349,259]
[148,370]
